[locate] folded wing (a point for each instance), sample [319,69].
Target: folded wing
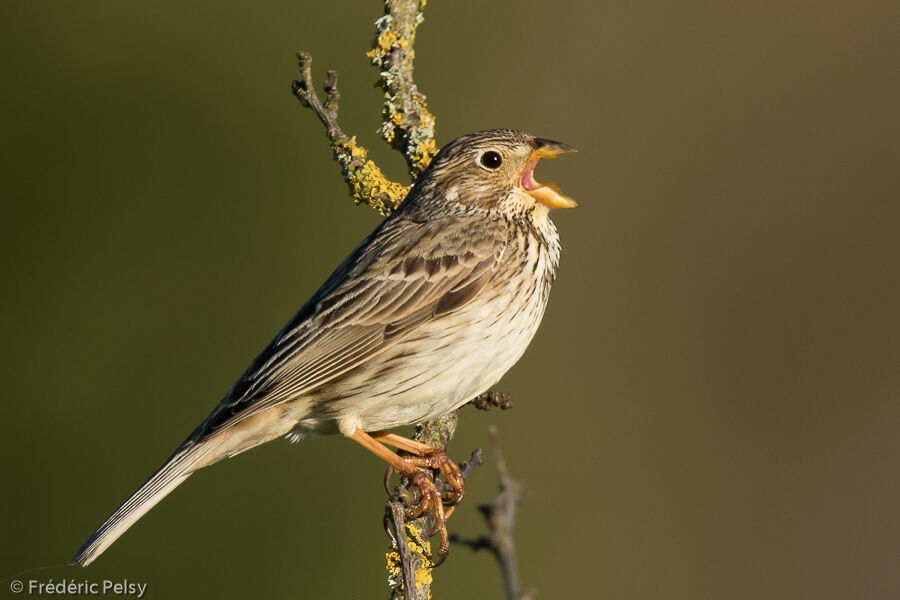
[403,275]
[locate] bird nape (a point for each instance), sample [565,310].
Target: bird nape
[429,311]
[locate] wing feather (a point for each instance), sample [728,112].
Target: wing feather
[403,275]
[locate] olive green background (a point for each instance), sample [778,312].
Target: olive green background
[710,409]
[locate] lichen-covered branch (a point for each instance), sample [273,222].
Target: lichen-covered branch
[410,559]
[367,182]
[408,124]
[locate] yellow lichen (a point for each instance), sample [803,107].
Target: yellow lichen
[418,546]
[387,39]
[405,114]
[423,547]
[369,185]
[357,151]
[394,565]
[367,182]
[425,151]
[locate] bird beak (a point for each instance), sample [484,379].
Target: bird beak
[547,193]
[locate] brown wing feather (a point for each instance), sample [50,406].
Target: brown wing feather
[403,275]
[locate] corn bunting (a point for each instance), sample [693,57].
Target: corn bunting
[429,311]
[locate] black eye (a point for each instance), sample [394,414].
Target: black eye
[491,159]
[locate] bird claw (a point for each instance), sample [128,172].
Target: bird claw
[414,465]
[431,498]
[438,459]
[429,502]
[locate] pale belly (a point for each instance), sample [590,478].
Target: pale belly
[438,368]
[442,364]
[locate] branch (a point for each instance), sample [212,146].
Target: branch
[367,182]
[416,561]
[410,560]
[408,127]
[406,570]
[408,124]
[500,516]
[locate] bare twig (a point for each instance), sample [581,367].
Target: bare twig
[500,516]
[475,460]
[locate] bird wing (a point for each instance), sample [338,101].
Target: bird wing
[401,276]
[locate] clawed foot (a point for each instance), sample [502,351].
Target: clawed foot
[431,499]
[438,459]
[430,502]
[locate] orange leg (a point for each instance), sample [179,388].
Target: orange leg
[430,458]
[408,466]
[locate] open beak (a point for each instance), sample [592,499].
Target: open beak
[546,193]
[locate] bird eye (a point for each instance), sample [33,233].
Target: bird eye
[491,159]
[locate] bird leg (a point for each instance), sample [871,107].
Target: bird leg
[408,466]
[429,457]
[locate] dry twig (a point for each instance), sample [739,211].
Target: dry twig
[500,516]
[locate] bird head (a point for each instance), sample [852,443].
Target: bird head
[494,169]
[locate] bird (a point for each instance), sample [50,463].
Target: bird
[427,312]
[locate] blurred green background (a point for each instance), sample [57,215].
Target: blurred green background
[710,409]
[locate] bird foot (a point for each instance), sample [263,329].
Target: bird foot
[430,502]
[438,460]
[421,456]
[431,499]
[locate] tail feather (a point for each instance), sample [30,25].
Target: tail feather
[169,476]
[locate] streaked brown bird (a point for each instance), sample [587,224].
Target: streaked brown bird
[429,311]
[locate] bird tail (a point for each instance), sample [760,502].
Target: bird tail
[169,476]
